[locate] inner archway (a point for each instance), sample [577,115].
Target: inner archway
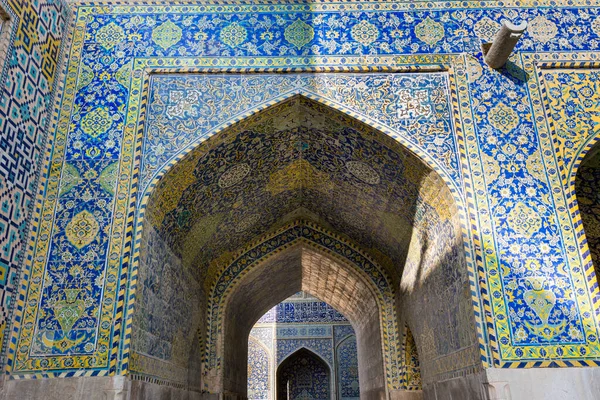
[302,197]
[305,266]
[303,375]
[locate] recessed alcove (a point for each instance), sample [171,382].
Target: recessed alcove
[302,197]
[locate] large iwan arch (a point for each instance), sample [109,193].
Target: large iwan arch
[301,197]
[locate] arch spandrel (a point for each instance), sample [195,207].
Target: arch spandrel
[399,104]
[576,143]
[574,134]
[304,348]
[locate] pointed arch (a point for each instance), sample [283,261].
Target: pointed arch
[259,369]
[303,256]
[401,139]
[419,223]
[572,120]
[412,366]
[433,185]
[304,375]
[306,349]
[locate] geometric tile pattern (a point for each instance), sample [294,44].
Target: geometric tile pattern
[529,284]
[264,336]
[30,46]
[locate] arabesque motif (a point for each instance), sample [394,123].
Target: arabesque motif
[299,33]
[167,35]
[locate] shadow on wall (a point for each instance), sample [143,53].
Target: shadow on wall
[435,301]
[169,316]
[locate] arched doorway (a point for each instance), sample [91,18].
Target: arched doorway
[302,197]
[301,264]
[303,376]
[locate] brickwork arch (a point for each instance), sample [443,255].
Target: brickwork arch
[352,284]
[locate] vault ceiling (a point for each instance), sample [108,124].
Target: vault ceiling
[298,159]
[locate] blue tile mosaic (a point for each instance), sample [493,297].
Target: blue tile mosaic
[509,164]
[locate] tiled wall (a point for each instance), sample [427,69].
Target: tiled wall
[169,316]
[347,369]
[30,50]
[509,162]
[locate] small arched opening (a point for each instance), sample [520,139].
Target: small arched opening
[302,266]
[303,376]
[412,365]
[259,370]
[347,368]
